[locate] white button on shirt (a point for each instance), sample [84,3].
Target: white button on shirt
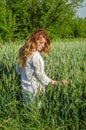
[33,75]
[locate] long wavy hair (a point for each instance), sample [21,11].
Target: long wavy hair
[30,44]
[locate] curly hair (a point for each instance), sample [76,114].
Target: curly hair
[26,50]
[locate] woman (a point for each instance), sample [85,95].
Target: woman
[31,65]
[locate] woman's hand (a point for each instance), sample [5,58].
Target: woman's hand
[63,82]
[54,82]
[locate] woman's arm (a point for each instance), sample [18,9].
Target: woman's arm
[38,64]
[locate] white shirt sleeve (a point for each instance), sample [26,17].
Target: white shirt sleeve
[38,64]
[18,69]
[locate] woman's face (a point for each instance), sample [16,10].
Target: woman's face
[41,43]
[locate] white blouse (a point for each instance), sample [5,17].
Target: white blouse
[33,75]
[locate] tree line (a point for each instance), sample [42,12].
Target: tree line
[18,18]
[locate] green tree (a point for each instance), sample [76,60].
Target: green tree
[20,10]
[2,19]
[55,16]
[79,27]
[7,22]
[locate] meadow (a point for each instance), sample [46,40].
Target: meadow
[63,107]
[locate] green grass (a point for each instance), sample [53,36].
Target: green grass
[64,107]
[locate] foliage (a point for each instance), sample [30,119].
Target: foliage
[79,28]
[58,17]
[7,22]
[63,107]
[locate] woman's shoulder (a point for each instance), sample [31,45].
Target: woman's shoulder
[35,55]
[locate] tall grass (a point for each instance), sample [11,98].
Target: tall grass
[63,107]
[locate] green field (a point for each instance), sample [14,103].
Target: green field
[63,108]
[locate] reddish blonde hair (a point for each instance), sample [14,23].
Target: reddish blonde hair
[26,50]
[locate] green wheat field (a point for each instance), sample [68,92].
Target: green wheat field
[63,107]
